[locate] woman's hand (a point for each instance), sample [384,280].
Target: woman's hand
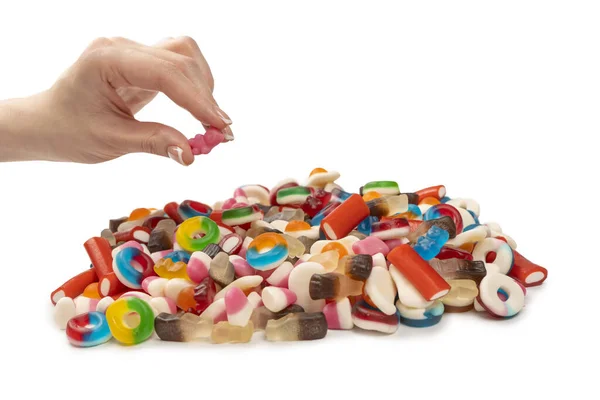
[88,115]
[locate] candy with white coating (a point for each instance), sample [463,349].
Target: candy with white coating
[238,308]
[299,281]
[489,300]
[64,310]
[381,290]
[407,293]
[198,266]
[104,303]
[339,314]
[420,317]
[276,299]
[245,283]
[504,255]
[155,286]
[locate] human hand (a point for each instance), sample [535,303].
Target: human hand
[88,114]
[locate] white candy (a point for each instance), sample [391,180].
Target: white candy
[64,310]
[381,290]
[244,283]
[299,281]
[104,303]
[408,295]
[175,286]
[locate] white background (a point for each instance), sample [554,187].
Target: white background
[497,100]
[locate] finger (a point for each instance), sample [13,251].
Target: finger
[158,139]
[127,67]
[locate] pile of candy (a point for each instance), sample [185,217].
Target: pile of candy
[294,261]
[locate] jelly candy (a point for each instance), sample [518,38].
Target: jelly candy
[109,236]
[212,250]
[221,270]
[357,267]
[242,215]
[277,299]
[429,245]
[182,327]
[372,319]
[450,252]
[293,195]
[333,286]
[300,228]
[526,272]
[295,246]
[267,251]
[281,275]
[437,192]
[345,217]
[380,290]
[299,284]
[64,310]
[316,202]
[204,143]
[504,257]
[190,228]
[232,243]
[297,326]
[425,279]
[389,205]
[160,240]
[189,209]
[456,268]
[92,291]
[471,236]
[126,266]
[391,229]
[216,311]
[170,269]
[329,260]
[445,223]
[489,300]
[320,177]
[154,286]
[386,188]
[262,315]
[445,210]
[407,293]
[342,245]
[174,287]
[257,194]
[420,317]
[467,204]
[370,245]
[461,296]
[113,224]
[339,314]
[100,255]
[224,332]
[123,331]
[87,330]
[137,233]
[198,266]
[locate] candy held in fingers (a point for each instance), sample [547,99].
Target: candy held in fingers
[425,279]
[87,330]
[526,272]
[369,318]
[204,143]
[345,217]
[277,299]
[297,326]
[420,317]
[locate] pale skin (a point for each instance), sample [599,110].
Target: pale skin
[87,116]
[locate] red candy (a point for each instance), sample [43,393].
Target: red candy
[100,255]
[526,272]
[74,286]
[450,252]
[423,277]
[140,234]
[345,217]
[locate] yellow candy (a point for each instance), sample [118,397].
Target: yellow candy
[166,268]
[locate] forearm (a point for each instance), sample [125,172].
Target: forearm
[23,126]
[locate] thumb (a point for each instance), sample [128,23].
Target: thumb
[158,139]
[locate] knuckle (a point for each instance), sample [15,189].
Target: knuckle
[167,72]
[186,64]
[150,142]
[188,41]
[99,43]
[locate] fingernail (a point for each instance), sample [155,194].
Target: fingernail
[223,116]
[176,154]
[228,134]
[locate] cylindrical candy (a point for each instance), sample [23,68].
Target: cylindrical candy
[366,317]
[339,314]
[74,286]
[427,281]
[345,217]
[526,272]
[420,317]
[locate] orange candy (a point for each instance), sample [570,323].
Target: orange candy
[139,213]
[429,200]
[371,196]
[336,246]
[317,171]
[294,226]
[92,291]
[468,247]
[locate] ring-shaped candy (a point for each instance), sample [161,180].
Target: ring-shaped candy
[89,329]
[187,231]
[124,267]
[189,208]
[120,309]
[267,251]
[489,298]
[445,210]
[420,317]
[386,188]
[504,254]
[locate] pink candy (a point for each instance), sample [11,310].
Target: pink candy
[198,266]
[281,275]
[339,314]
[276,299]
[238,308]
[371,246]
[241,266]
[204,143]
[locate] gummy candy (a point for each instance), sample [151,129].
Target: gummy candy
[297,326]
[87,330]
[121,329]
[182,327]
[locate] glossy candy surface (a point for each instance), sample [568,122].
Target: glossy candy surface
[190,229]
[124,331]
[87,330]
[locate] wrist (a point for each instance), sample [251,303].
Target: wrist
[24,123]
